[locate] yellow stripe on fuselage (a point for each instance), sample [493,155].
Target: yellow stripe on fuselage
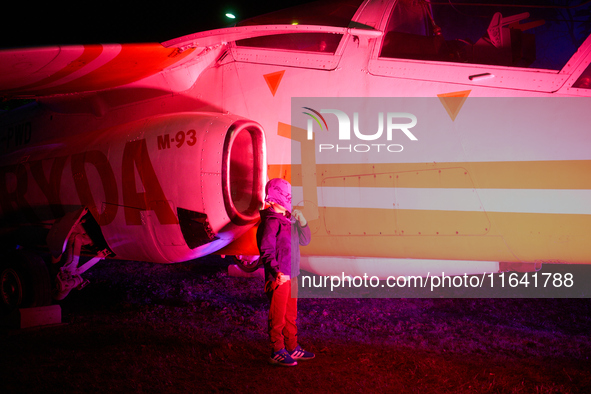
[423,234]
[523,232]
[562,174]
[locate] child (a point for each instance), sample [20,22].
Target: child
[278,237]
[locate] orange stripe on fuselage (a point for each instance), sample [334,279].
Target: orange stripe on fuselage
[441,234]
[134,62]
[422,234]
[563,174]
[90,53]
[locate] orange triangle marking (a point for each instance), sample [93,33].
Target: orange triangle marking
[273,80]
[453,102]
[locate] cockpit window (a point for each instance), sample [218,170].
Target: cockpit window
[308,42]
[535,37]
[409,35]
[335,13]
[409,17]
[584,80]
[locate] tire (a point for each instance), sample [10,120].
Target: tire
[24,281]
[248,263]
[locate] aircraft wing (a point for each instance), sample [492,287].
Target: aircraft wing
[82,68]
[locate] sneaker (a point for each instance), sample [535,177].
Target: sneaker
[282,358]
[300,354]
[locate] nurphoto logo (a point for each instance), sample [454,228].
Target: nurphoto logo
[395,122]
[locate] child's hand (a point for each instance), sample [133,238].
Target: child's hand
[299,216]
[281,279]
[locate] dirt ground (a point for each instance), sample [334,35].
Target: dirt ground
[192,328]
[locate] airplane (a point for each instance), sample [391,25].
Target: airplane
[160,152]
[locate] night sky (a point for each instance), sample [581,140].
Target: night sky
[27,24]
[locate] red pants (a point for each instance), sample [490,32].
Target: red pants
[283,313]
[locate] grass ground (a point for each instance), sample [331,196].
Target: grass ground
[190,328]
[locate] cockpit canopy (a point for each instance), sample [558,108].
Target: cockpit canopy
[535,37]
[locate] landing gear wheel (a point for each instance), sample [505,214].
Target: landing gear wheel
[248,263]
[24,281]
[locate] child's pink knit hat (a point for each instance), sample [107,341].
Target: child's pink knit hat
[278,190]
